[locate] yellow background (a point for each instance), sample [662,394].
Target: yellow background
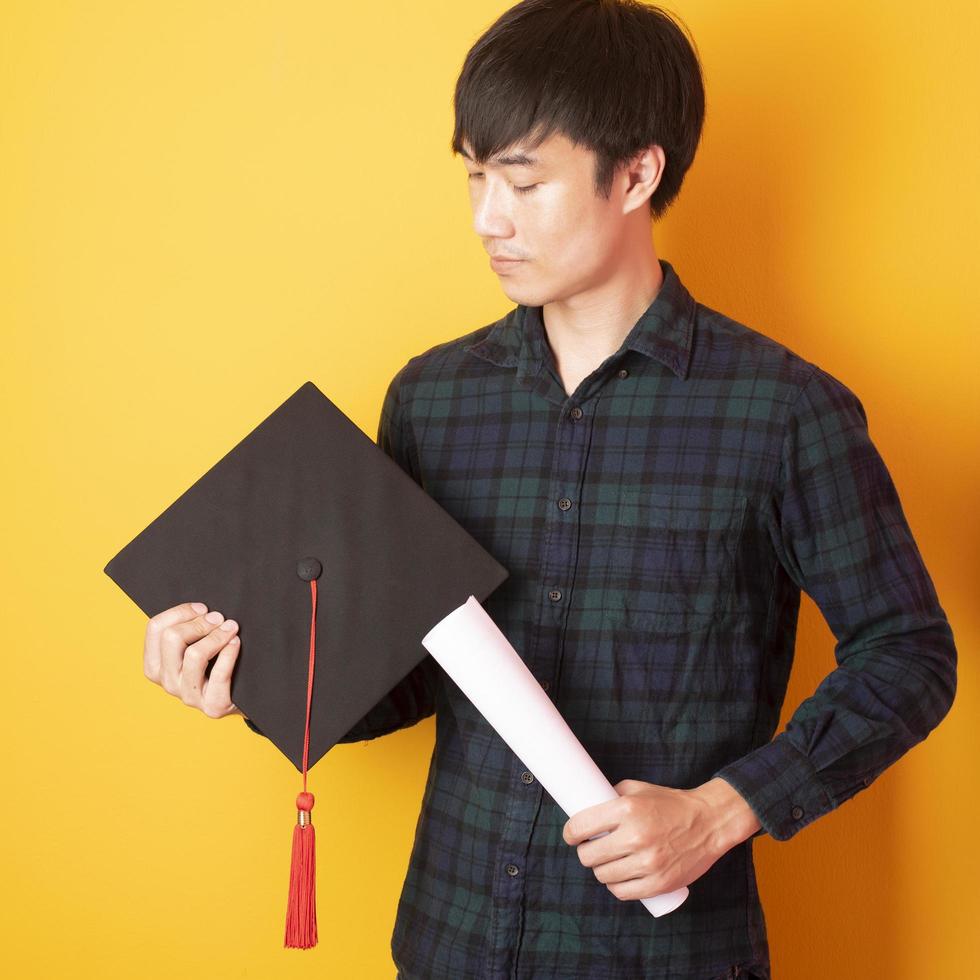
[203,205]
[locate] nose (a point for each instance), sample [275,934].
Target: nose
[491,214]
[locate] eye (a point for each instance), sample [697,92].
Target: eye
[519,188]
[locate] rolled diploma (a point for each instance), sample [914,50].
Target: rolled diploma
[470,647]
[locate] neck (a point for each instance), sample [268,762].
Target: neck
[585,329]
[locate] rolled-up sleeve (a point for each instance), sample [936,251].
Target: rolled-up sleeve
[839,531]
[413,697]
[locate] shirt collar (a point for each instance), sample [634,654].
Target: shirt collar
[664,332]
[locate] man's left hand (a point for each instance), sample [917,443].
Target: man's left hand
[659,838]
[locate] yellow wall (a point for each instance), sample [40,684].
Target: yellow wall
[203,205]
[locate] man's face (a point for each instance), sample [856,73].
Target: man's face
[540,206]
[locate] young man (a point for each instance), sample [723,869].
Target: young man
[662,482]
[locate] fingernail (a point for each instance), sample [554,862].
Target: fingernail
[229,624]
[214,617]
[199,607]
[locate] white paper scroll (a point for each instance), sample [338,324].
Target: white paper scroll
[470,647]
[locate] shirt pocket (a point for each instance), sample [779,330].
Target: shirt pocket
[674,558]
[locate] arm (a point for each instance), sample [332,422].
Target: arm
[840,534]
[413,697]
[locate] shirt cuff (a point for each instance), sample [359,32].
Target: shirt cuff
[780,784]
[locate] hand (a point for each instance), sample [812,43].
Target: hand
[179,643]
[655,839]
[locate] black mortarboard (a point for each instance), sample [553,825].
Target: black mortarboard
[324,550]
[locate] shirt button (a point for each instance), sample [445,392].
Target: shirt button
[527,777]
[797,812]
[512,869]
[554,595]
[622,373]
[544,685]
[564,503]
[576,412]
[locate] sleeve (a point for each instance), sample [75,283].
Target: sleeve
[413,697]
[840,533]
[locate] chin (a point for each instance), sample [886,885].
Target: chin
[521,293]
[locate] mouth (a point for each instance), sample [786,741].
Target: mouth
[502,263]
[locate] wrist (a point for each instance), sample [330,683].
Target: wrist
[733,818]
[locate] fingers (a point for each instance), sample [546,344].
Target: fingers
[152,662]
[603,848]
[197,655]
[621,870]
[216,698]
[174,640]
[179,644]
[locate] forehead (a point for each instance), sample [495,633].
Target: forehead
[516,157]
[548,152]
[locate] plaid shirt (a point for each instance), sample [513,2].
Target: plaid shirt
[658,525]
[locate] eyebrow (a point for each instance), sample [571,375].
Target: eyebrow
[511,160]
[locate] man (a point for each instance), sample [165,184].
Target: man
[662,482]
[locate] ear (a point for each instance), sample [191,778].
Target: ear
[644,173]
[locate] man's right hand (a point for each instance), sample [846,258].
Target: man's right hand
[179,643]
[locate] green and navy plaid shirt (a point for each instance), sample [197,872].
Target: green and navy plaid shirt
[658,525]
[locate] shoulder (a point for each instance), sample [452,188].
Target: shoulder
[443,363]
[762,366]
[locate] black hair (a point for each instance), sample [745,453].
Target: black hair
[614,76]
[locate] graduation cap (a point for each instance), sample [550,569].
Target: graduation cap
[334,562]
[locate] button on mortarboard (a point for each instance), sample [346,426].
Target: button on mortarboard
[309,569]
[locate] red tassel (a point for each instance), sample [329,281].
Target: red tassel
[301,908]
[301,905]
